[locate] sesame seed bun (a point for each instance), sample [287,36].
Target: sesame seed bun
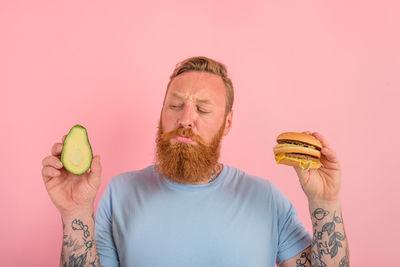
[300,137]
[299,150]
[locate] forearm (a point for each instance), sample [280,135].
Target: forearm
[329,246]
[79,247]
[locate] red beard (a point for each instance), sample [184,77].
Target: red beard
[186,163]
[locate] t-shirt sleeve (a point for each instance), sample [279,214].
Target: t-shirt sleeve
[293,238]
[103,231]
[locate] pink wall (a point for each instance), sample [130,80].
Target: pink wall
[328,66]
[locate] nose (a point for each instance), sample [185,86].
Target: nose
[186,119]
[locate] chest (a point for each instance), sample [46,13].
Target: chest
[195,231]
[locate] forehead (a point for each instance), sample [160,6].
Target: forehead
[195,85]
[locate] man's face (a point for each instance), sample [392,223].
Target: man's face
[195,100]
[192,124]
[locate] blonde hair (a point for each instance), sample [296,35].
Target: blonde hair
[208,65]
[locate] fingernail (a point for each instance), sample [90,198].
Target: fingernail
[59,164]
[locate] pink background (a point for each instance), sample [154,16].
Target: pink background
[327,66]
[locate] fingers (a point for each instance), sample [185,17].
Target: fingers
[326,150]
[307,132]
[52,164]
[51,168]
[321,138]
[328,158]
[52,161]
[96,166]
[50,172]
[95,172]
[56,149]
[302,174]
[330,154]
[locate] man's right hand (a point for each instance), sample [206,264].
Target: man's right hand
[73,195]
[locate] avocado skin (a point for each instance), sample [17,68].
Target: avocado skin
[63,159]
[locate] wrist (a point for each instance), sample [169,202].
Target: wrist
[81,214]
[332,204]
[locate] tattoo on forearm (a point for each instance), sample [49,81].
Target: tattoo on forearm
[344,262]
[80,250]
[326,240]
[71,243]
[319,214]
[77,225]
[304,260]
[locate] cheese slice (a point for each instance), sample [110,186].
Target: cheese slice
[305,164]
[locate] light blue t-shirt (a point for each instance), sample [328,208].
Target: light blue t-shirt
[145,220]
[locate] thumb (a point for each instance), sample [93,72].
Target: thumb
[302,174]
[95,171]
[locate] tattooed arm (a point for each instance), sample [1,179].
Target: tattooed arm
[79,247]
[74,195]
[321,186]
[329,246]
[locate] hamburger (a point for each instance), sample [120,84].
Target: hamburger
[299,150]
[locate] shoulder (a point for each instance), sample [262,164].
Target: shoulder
[129,186]
[137,178]
[236,175]
[251,183]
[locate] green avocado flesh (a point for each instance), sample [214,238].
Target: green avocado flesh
[77,155]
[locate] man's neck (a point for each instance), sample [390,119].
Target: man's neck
[215,172]
[213,175]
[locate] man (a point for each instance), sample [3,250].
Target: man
[188,209]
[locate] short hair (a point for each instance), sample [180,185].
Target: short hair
[205,64]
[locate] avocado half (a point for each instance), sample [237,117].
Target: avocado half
[77,154]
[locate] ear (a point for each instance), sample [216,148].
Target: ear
[228,122]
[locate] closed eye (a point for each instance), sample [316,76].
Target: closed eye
[176,107]
[203,111]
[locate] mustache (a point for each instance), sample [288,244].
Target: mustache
[185,132]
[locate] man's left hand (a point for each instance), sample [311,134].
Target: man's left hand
[322,184]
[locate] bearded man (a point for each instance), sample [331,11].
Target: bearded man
[189,209]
